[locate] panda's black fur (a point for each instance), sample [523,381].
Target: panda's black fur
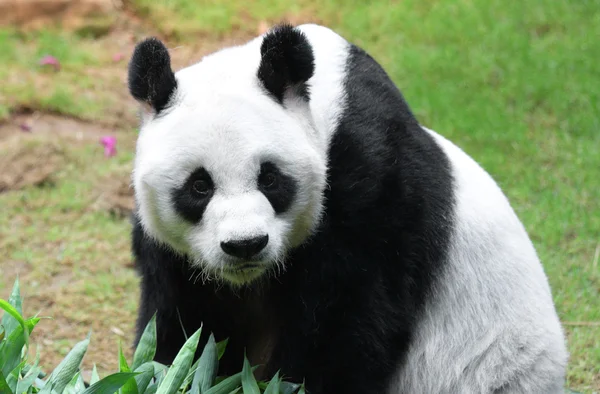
[344,310]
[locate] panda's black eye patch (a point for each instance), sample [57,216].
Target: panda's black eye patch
[280,189]
[191,199]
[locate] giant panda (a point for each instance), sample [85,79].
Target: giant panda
[288,199]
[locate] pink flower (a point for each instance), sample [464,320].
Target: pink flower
[50,61]
[117,57]
[109,143]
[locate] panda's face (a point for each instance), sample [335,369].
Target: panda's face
[227,175]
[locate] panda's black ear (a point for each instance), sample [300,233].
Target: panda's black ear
[287,62]
[151,80]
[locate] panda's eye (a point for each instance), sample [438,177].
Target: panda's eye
[268,180]
[201,188]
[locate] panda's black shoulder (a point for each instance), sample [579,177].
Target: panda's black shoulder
[379,142]
[390,185]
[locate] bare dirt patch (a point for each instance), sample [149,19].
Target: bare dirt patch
[115,194]
[25,162]
[34,14]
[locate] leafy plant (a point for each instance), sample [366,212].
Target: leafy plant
[142,376]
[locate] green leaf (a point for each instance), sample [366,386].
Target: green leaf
[12,311]
[273,387]
[4,387]
[95,376]
[146,348]
[11,351]
[8,320]
[181,365]
[110,384]
[146,372]
[301,391]
[206,371]
[69,366]
[75,386]
[130,387]
[12,347]
[27,381]
[236,390]
[152,389]
[221,346]
[123,367]
[10,325]
[13,378]
[248,380]
[2,332]
[228,384]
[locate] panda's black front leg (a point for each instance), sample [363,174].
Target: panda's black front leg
[345,340]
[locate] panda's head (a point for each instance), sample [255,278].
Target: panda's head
[229,168]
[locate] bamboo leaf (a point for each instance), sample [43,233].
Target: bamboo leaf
[248,380]
[4,387]
[95,376]
[273,387]
[8,320]
[146,373]
[180,367]
[27,381]
[63,373]
[206,371]
[130,387]
[221,346]
[146,348]
[110,384]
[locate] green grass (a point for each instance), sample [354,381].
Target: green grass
[515,84]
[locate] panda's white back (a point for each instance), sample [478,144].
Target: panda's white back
[493,299]
[491,319]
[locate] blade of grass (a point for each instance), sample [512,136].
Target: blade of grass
[181,365]
[146,348]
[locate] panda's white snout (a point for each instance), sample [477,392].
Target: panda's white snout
[245,248]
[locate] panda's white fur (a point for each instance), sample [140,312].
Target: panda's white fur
[494,298]
[489,324]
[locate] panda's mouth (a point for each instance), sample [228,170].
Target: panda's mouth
[242,273]
[243,267]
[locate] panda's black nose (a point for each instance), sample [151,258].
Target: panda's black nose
[245,248]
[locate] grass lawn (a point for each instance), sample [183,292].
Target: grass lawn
[515,84]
